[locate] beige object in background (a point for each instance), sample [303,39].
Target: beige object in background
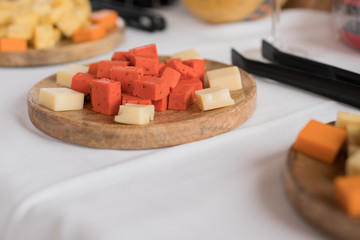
[221,11]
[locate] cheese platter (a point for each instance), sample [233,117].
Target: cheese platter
[169,128]
[320,182]
[66,51]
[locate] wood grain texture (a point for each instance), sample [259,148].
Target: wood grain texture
[309,186]
[66,51]
[169,128]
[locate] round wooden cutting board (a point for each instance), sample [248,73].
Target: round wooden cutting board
[66,51]
[169,128]
[309,186]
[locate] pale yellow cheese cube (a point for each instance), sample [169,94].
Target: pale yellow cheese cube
[45,19]
[69,4]
[25,18]
[353,132]
[135,114]
[150,108]
[64,75]
[20,31]
[84,4]
[42,8]
[228,77]
[353,163]
[57,12]
[45,37]
[345,118]
[3,32]
[69,22]
[187,54]
[61,99]
[212,98]
[10,5]
[81,14]
[5,17]
[352,148]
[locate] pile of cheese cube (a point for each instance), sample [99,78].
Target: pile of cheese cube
[120,87]
[42,22]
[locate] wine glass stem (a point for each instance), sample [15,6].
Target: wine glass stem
[275,22]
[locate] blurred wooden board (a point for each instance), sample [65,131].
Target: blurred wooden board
[66,51]
[309,186]
[169,128]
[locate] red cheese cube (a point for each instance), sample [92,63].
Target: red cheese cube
[193,82]
[151,88]
[120,56]
[198,65]
[161,68]
[150,64]
[171,76]
[160,105]
[127,76]
[127,98]
[105,66]
[184,70]
[81,82]
[105,96]
[144,51]
[181,98]
[93,67]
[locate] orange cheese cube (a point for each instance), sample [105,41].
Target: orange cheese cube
[104,17]
[13,45]
[321,141]
[89,33]
[347,193]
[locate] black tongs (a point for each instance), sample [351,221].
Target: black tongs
[137,17]
[322,79]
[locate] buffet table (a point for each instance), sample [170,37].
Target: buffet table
[225,187]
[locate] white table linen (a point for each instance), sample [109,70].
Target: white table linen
[226,187]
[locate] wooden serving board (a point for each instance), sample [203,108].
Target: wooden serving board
[169,128]
[309,186]
[66,51]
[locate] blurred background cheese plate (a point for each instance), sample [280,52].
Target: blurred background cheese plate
[33,32]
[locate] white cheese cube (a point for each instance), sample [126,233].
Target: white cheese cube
[353,163]
[64,76]
[135,114]
[228,77]
[61,99]
[215,97]
[150,108]
[345,118]
[187,54]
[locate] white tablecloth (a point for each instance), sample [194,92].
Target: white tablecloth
[225,187]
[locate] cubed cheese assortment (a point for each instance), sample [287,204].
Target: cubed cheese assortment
[137,77]
[324,142]
[42,24]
